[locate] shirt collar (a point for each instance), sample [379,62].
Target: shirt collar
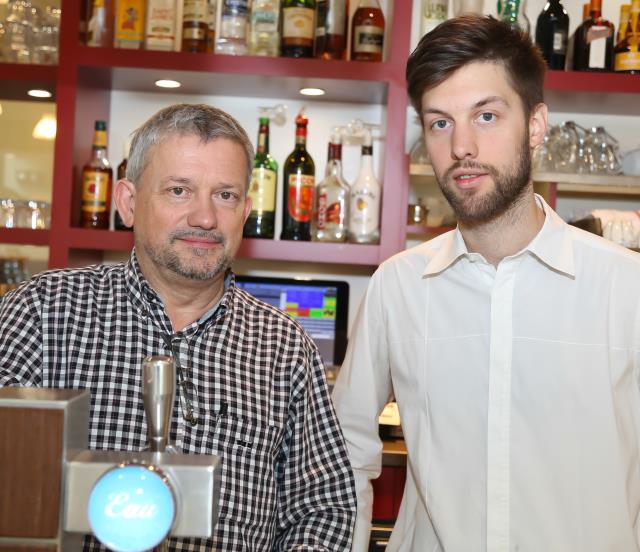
[552,246]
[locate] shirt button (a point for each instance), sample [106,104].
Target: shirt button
[144,313]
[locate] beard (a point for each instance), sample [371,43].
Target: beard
[474,207]
[205,264]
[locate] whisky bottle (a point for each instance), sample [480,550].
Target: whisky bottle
[211,26]
[129,27]
[262,189]
[331,29]
[264,39]
[298,25]
[297,193]
[367,32]
[552,34]
[364,200]
[332,198]
[626,54]
[232,23]
[593,48]
[97,178]
[161,25]
[121,172]
[194,26]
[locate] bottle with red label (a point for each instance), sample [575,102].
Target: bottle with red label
[97,178]
[332,197]
[367,32]
[299,181]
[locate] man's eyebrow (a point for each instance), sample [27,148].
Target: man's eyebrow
[176,180]
[479,103]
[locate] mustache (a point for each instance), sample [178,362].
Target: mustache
[469,165]
[211,235]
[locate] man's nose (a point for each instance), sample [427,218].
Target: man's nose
[203,214]
[463,143]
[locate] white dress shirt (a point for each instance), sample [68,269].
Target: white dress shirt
[519,394]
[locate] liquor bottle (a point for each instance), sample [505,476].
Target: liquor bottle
[627,56]
[593,48]
[264,39]
[331,29]
[262,189]
[121,171]
[434,12]
[211,25]
[297,193]
[625,16]
[129,27]
[367,32]
[364,200]
[194,26]
[100,26]
[97,177]
[298,24]
[552,34]
[232,23]
[514,16]
[160,32]
[332,198]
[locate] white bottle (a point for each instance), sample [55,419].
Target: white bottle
[434,12]
[364,199]
[161,25]
[232,27]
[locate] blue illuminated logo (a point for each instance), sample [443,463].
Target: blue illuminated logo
[131,508]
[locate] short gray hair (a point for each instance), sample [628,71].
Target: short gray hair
[204,121]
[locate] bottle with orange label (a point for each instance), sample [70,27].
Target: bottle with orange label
[299,181]
[97,178]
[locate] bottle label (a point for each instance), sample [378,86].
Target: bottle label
[95,188]
[369,39]
[264,21]
[300,204]
[195,10]
[560,42]
[298,23]
[130,22]
[160,25]
[262,190]
[233,26]
[193,33]
[627,61]
[329,214]
[364,209]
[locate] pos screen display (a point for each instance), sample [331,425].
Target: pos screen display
[320,306]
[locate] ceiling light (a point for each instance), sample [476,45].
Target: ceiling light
[167,83]
[36,93]
[312,92]
[45,128]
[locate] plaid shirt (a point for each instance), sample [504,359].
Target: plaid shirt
[262,400]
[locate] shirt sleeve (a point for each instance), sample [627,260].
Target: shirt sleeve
[20,337]
[317,503]
[362,389]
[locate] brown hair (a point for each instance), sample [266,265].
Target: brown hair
[470,38]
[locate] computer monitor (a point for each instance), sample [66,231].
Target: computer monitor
[320,306]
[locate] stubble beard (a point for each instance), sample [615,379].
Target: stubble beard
[474,207]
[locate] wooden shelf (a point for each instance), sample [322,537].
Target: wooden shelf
[24,236]
[17,79]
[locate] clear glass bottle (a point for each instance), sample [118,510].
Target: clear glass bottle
[367,32]
[97,177]
[233,20]
[264,38]
[331,212]
[364,200]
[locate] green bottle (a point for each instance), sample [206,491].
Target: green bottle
[512,14]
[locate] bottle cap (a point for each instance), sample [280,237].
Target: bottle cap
[101,125]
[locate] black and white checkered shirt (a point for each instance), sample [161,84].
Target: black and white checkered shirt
[263,403]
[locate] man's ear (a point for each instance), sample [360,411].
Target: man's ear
[538,124]
[125,198]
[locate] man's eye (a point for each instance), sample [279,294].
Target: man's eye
[177,191]
[487,117]
[439,124]
[227,195]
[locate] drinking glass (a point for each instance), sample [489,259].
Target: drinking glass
[602,152]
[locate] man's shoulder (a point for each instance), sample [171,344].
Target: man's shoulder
[76,280]
[593,249]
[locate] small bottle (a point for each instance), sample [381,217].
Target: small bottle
[331,29]
[593,48]
[299,175]
[514,16]
[118,223]
[129,27]
[232,23]
[211,22]
[194,26]
[364,200]
[552,34]
[100,26]
[262,189]
[434,12]
[264,38]
[332,198]
[298,26]
[160,33]
[367,32]
[97,178]
[626,54]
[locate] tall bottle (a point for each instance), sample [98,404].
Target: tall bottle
[593,48]
[627,56]
[262,189]
[264,39]
[552,34]
[195,28]
[129,27]
[331,29]
[121,172]
[514,16]
[100,26]
[367,31]
[364,200]
[434,12]
[232,25]
[161,26]
[297,193]
[298,26]
[331,213]
[97,178]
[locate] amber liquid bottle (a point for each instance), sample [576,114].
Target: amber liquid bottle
[331,29]
[367,32]
[97,177]
[626,54]
[298,26]
[299,182]
[195,29]
[593,48]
